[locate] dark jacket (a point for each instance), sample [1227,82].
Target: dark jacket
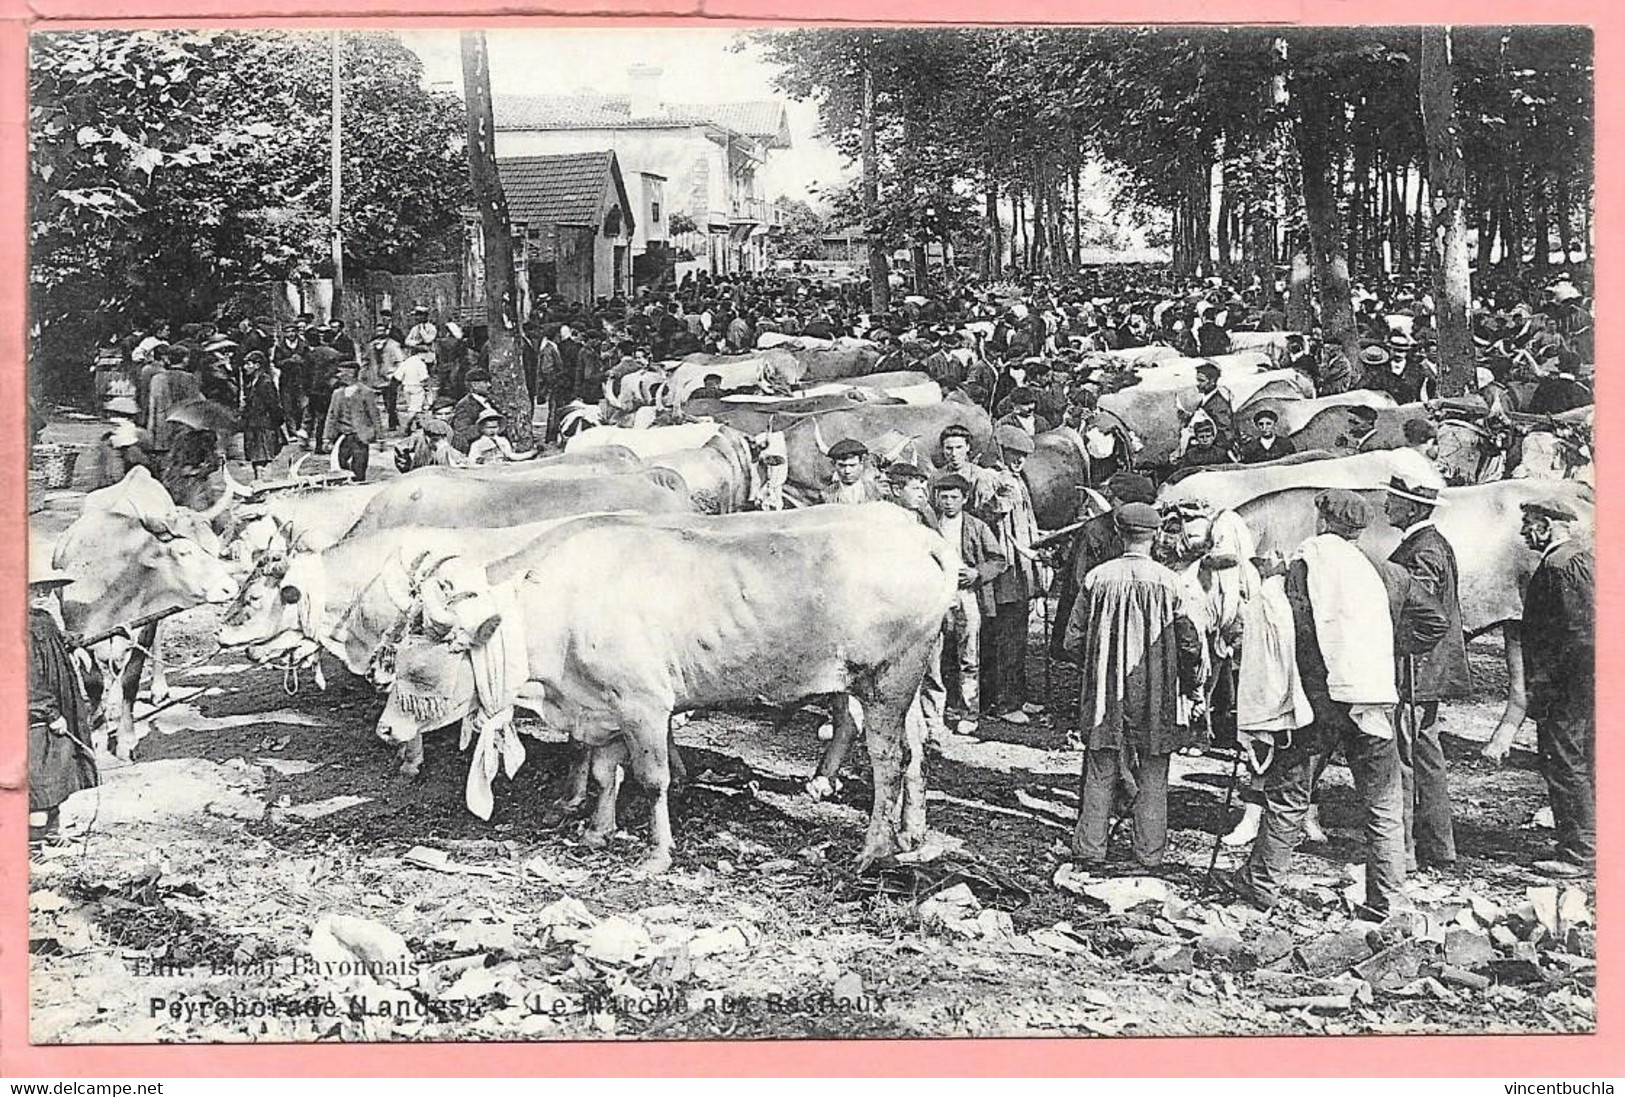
[1094,544]
[1559,631]
[1442,673]
[1251,452]
[980,550]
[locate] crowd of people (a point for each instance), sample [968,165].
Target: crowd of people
[1334,638]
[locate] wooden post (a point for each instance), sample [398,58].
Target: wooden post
[337,209]
[501,304]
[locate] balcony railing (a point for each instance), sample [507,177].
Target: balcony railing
[755,211]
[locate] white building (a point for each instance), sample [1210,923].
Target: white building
[698,160]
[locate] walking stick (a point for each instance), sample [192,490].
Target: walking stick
[1218,834]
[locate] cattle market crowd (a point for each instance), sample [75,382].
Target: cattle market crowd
[1242,540]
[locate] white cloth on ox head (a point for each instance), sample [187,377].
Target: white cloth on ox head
[500,667]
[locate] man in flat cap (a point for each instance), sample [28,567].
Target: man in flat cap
[1268,445]
[1428,677]
[1344,609]
[1559,658]
[978,559]
[1009,513]
[853,482]
[1140,660]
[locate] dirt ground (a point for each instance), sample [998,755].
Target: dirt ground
[260,873]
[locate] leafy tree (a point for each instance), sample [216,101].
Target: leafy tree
[801,231]
[170,167]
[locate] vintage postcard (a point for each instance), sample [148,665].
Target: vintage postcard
[603,533]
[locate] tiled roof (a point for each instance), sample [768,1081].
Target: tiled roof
[761,119]
[556,190]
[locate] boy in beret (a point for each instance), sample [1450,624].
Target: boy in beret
[853,482]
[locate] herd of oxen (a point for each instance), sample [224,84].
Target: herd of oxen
[644,573]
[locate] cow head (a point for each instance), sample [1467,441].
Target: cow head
[277,611]
[435,680]
[769,469]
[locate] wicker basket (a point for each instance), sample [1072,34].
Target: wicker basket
[55,463]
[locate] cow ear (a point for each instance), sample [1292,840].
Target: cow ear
[289,595]
[486,629]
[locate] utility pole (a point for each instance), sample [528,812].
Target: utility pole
[337,143]
[501,304]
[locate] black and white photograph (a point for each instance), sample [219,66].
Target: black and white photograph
[613,533]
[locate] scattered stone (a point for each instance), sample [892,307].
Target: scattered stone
[1455,976]
[1516,970]
[1175,960]
[1393,966]
[1483,909]
[549,872]
[615,940]
[1503,937]
[1272,945]
[1544,901]
[1468,949]
[348,942]
[1581,942]
[568,911]
[1327,1003]
[1124,894]
[1333,952]
[734,937]
[848,987]
[1573,909]
[1223,944]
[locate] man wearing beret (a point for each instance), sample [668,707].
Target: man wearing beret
[978,559]
[1438,674]
[1268,445]
[852,482]
[1008,511]
[1140,660]
[1351,618]
[1559,659]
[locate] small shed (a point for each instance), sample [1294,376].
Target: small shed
[574,222]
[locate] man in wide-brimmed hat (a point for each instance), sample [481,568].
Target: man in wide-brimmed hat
[491,446]
[1440,674]
[124,446]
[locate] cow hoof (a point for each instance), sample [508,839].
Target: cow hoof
[409,772]
[594,839]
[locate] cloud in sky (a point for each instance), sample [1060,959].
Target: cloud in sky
[698,66]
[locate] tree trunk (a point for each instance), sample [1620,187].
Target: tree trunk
[1040,263]
[1325,224]
[1543,223]
[501,304]
[1300,281]
[1077,216]
[879,268]
[1514,229]
[1452,288]
[1226,202]
[1565,227]
[993,256]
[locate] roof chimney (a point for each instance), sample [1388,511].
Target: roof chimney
[643,84]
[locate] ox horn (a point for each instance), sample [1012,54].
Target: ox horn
[818,438]
[227,494]
[293,470]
